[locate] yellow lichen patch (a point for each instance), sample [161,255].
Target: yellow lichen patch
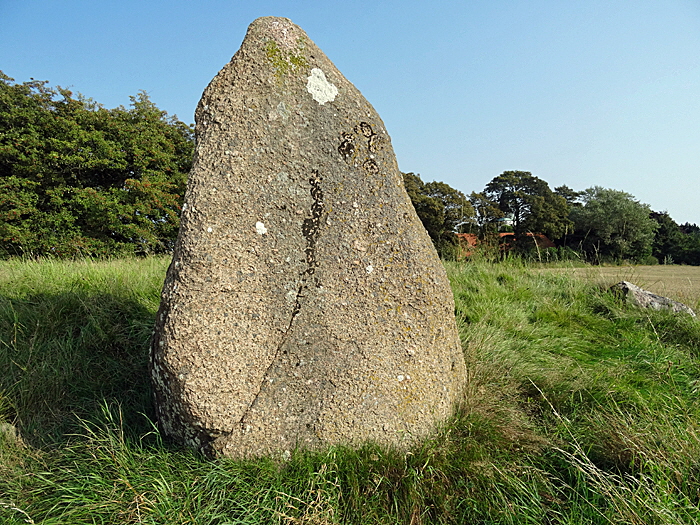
[286,62]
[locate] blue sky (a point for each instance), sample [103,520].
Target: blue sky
[580,93]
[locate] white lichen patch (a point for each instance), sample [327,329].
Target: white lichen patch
[321,90]
[260,228]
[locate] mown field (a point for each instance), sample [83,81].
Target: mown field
[681,283]
[578,410]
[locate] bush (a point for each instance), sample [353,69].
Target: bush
[79,180]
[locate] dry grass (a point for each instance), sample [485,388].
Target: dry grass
[681,283]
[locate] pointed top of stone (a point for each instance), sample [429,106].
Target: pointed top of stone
[281,30]
[305,304]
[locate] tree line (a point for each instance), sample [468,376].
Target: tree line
[597,224]
[77,179]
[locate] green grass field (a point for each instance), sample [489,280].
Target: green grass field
[578,410]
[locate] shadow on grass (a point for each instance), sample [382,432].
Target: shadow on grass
[64,355]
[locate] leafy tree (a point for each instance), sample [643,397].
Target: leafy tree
[441,209]
[690,228]
[669,240]
[570,196]
[690,253]
[531,203]
[78,179]
[428,209]
[457,209]
[613,224]
[486,213]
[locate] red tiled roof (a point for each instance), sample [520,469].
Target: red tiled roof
[468,241]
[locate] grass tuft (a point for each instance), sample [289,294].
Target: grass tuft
[577,409]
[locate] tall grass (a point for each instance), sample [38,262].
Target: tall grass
[74,334]
[577,410]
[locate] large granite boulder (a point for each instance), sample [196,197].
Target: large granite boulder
[305,304]
[646,299]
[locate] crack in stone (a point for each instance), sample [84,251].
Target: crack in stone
[310,229]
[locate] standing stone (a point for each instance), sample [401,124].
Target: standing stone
[305,304]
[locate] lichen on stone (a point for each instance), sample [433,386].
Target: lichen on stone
[286,62]
[321,90]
